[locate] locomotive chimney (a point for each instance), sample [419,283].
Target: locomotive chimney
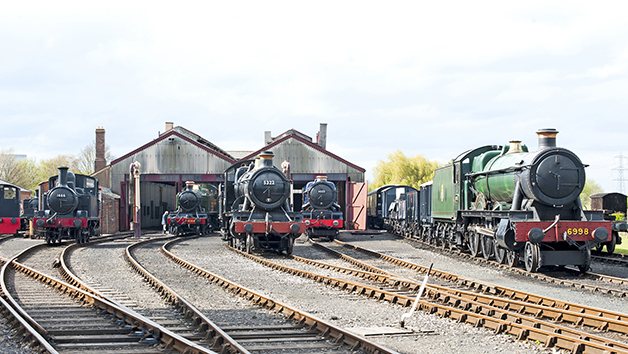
[100,161]
[266,158]
[322,136]
[63,176]
[189,185]
[547,138]
[267,138]
[169,126]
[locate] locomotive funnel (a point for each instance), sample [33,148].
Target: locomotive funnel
[266,158]
[547,138]
[189,185]
[63,176]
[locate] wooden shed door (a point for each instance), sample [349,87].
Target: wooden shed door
[356,205]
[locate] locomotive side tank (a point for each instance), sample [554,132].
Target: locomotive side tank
[321,213]
[255,208]
[71,208]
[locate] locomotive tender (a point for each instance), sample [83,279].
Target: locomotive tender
[70,209]
[321,213]
[196,211]
[508,203]
[255,211]
[9,209]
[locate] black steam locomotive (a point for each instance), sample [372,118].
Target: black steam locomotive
[321,213]
[196,211]
[507,203]
[70,208]
[255,211]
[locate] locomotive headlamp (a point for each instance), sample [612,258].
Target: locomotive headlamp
[600,234]
[294,228]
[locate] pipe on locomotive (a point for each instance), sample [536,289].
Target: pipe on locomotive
[63,176]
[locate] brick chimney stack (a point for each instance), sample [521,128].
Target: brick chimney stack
[322,136]
[100,161]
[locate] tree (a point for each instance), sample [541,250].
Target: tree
[400,169]
[591,187]
[84,162]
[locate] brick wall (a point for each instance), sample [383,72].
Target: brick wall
[109,215]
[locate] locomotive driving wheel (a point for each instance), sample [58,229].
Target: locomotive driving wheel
[500,254]
[532,257]
[488,247]
[474,243]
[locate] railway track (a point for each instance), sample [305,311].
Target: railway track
[300,322]
[564,281]
[65,319]
[544,321]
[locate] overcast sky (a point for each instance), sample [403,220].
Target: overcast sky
[424,77]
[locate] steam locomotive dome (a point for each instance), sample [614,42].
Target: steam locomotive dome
[556,176]
[188,200]
[267,188]
[321,194]
[62,200]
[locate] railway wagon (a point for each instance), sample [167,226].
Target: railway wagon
[611,204]
[71,208]
[9,209]
[255,210]
[321,213]
[378,204]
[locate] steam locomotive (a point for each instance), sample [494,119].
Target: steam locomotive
[9,209]
[70,208]
[510,204]
[321,213]
[255,211]
[196,211]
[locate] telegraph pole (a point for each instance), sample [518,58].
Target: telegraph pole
[620,173]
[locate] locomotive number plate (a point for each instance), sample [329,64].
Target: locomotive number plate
[577,231]
[60,195]
[268,182]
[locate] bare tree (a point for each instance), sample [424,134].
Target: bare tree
[84,162]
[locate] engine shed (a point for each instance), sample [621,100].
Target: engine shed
[179,155]
[166,163]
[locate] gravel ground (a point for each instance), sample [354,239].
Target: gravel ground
[8,343]
[432,334]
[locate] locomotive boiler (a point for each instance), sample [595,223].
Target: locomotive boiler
[70,208]
[321,213]
[255,208]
